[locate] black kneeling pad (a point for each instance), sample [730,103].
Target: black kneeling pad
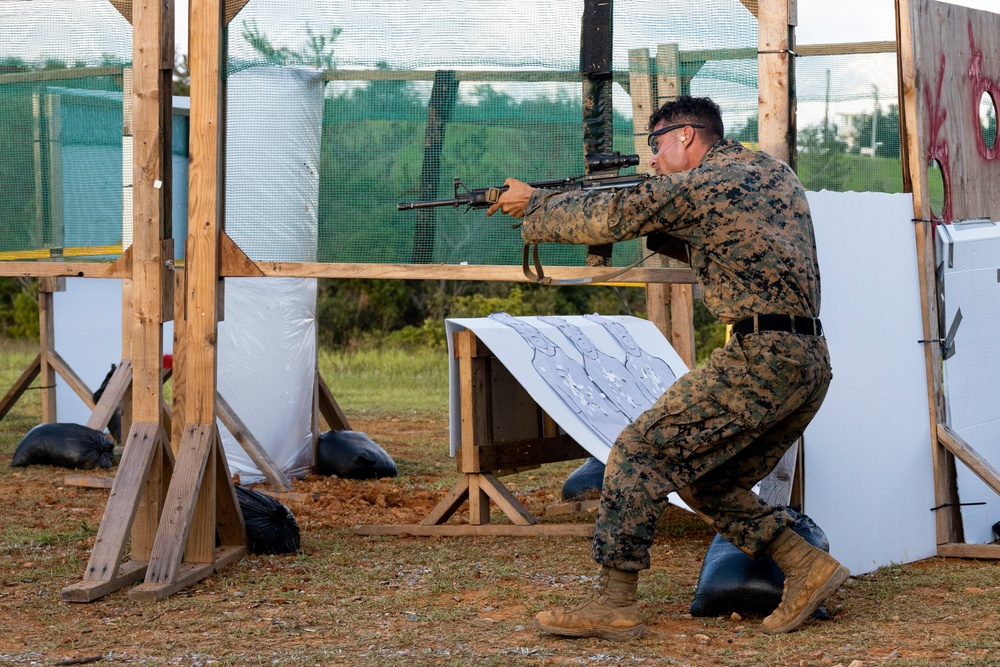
[588,479]
[731,581]
[65,445]
[271,527]
[352,455]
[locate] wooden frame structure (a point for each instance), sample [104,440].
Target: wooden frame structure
[503,431]
[947,56]
[173,495]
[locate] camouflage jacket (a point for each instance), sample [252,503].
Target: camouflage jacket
[742,214]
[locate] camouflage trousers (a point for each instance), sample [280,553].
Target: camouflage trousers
[711,437]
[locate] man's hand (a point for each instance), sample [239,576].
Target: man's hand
[513,201]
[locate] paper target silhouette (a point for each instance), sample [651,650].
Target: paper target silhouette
[570,380]
[572,368]
[611,375]
[655,374]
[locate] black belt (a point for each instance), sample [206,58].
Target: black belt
[792,324]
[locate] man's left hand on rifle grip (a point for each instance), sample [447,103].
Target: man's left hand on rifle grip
[513,201]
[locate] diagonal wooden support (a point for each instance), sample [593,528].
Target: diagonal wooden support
[133,486]
[275,477]
[72,379]
[200,492]
[957,445]
[112,396]
[328,407]
[21,385]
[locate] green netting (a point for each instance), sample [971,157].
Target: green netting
[848,123]
[510,69]
[61,126]
[517,110]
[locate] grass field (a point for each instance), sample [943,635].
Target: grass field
[351,600]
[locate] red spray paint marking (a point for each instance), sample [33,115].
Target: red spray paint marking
[937,148]
[982,84]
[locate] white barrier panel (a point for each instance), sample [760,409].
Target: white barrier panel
[869,482]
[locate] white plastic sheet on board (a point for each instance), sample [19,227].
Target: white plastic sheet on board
[267,358]
[969,260]
[869,483]
[267,340]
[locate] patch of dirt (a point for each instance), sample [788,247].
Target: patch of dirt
[347,599]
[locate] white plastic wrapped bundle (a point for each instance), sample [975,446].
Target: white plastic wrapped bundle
[267,340]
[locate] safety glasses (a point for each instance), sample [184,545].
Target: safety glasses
[651,139]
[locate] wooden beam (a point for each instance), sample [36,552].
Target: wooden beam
[977,551]
[205,209]
[472,373]
[233,7]
[105,559]
[948,520]
[72,379]
[775,81]
[112,396]
[179,508]
[558,509]
[20,385]
[88,481]
[505,500]
[328,407]
[533,451]
[449,504]
[89,590]
[982,468]
[455,272]
[751,6]
[239,430]
[47,371]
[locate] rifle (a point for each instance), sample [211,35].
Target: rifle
[602,174]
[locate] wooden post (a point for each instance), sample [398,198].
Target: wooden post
[47,337]
[669,306]
[776,122]
[200,490]
[776,78]
[136,498]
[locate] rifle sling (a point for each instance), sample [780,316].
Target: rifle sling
[538,275]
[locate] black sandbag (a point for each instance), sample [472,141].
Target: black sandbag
[64,445]
[271,527]
[731,581]
[115,422]
[587,480]
[352,455]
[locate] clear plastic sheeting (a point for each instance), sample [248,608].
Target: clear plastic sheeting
[267,371]
[272,161]
[267,340]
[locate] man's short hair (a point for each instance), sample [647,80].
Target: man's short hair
[687,109]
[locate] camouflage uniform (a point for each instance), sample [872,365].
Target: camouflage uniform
[722,427]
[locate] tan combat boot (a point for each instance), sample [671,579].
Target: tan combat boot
[811,576]
[612,613]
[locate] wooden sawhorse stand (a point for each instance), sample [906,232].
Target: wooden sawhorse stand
[503,431]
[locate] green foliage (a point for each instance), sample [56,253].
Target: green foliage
[843,172]
[749,133]
[18,309]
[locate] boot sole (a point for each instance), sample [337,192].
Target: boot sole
[836,580]
[612,634]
